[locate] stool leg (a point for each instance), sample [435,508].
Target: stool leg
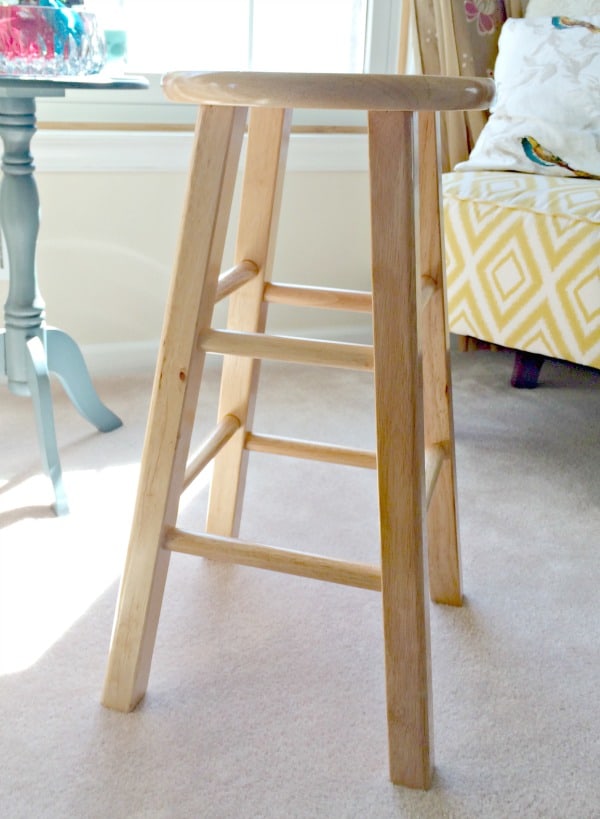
[443,545]
[400,446]
[268,139]
[215,159]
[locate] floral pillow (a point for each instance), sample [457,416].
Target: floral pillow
[545,117]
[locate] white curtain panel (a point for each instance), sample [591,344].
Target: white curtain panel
[544,8]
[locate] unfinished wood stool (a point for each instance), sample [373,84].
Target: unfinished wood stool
[412,388]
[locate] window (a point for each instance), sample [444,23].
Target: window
[283,35]
[293,35]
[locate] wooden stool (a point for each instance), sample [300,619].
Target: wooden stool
[412,388]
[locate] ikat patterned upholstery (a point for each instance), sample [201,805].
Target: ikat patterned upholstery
[523,262]
[523,249]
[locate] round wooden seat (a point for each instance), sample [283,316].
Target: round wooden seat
[363,92]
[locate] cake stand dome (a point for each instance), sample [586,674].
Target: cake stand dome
[49,39]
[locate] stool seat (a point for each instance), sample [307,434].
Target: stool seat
[414,453]
[364,92]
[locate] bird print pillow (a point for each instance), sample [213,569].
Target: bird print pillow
[545,117]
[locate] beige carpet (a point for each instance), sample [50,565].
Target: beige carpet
[266,695]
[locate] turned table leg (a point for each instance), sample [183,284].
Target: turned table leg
[29,350]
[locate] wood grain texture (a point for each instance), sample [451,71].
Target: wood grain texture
[323,297]
[414,456]
[374,92]
[266,154]
[211,447]
[288,348]
[400,445]
[445,581]
[235,277]
[310,450]
[190,305]
[234,550]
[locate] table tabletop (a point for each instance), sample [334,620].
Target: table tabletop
[35,85]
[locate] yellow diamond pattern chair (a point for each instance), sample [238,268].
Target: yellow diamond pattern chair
[523,256]
[523,249]
[414,457]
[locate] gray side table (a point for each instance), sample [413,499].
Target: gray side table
[29,350]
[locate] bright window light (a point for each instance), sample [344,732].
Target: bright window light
[349,36]
[295,35]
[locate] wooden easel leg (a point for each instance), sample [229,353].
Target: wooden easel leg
[443,541]
[177,381]
[400,446]
[268,138]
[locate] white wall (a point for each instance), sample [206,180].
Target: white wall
[107,242]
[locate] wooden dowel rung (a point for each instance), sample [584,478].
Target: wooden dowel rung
[235,277]
[428,288]
[311,450]
[227,427]
[329,298]
[284,348]
[434,458]
[232,550]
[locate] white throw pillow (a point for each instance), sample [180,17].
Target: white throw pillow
[545,117]
[572,8]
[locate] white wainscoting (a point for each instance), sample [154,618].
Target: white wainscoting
[74,151]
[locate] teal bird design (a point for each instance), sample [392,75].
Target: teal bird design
[569,22]
[535,152]
[542,156]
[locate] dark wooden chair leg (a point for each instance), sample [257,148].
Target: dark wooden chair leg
[526,370]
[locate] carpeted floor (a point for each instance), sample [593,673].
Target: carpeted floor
[266,696]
